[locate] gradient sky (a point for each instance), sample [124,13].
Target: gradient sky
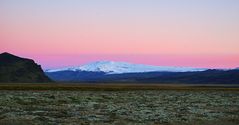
[58,33]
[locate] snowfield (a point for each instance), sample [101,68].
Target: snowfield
[112,67]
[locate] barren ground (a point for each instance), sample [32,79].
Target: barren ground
[161,106]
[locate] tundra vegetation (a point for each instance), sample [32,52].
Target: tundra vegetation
[118,106]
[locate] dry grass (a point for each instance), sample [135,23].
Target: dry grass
[113,87]
[163,107]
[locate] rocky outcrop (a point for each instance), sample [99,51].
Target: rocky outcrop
[14,69]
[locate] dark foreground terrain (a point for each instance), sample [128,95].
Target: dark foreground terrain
[132,106]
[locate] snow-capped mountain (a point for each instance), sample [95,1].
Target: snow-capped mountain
[111,67]
[122,72]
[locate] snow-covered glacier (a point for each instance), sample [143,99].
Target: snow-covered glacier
[111,67]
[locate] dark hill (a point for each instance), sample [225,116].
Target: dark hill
[15,69]
[200,77]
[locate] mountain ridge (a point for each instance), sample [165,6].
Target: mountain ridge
[112,72]
[112,67]
[16,69]
[200,77]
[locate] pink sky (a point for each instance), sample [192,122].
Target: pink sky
[66,33]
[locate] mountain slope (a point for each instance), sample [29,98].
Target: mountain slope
[111,67]
[107,71]
[16,69]
[200,77]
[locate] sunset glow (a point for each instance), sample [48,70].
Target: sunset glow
[58,33]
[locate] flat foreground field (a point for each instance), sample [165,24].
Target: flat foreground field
[115,86]
[166,105]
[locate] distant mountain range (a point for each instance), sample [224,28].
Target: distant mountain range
[14,69]
[108,71]
[111,67]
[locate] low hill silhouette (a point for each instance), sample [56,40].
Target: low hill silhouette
[15,69]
